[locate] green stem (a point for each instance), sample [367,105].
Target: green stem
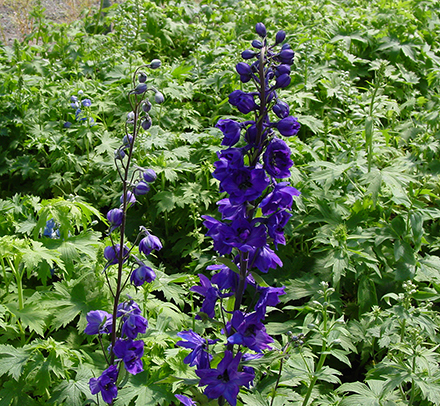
[18,279]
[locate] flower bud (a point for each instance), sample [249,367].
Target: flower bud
[280,37]
[149,243]
[261,30]
[288,126]
[119,154]
[257,44]
[149,175]
[73,99]
[67,124]
[286,56]
[131,199]
[283,81]
[115,216]
[248,54]
[281,109]
[155,63]
[146,123]
[86,102]
[142,188]
[282,69]
[243,68]
[159,98]
[140,88]
[127,140]
[142,77]
[146,106]
[130,116]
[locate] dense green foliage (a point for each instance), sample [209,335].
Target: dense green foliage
[366,91]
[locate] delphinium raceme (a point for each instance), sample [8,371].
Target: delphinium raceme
[123,350]
[254,214]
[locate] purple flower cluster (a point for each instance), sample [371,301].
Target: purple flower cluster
[81,107]
[252,172]
[126,321]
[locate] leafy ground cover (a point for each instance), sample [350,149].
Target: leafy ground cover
[361,267]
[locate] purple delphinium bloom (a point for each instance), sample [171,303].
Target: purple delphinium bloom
[244,102]
[111,253]
[149,243]
[249,331]
[288,126]
[280,198]
[67,124]
[106,384]
[210,293]
[128,307]
[134,324]
[186,401]
[98,322]
[277,160]
[264,258]
[130,352]
[86,102]
[141,275]
[231,131]
[269,296]
[246,235]
[281,109]
[225,380]
[225,278]
[198,356]
[231,211]
[245,184]
[220,233]
[275,226]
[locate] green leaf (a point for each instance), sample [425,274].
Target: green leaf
[165,201]
[13,360]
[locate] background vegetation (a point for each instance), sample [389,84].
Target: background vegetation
[366,91]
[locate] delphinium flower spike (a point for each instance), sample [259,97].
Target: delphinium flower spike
[126,321]
[251,170]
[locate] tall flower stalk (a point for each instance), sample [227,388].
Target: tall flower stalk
[125,321]
[253,217]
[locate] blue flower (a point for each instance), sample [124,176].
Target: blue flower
[245,184]
[130,352]
[186,401]
[198,356]
[149,243]
[141,275]
[86,102]
[225,380]
[244,102]
[98,322]
[210,293]
[277,160]
[134,324]
[280,198]
[288,126]
[231,131]
[249,331]
[106,384]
